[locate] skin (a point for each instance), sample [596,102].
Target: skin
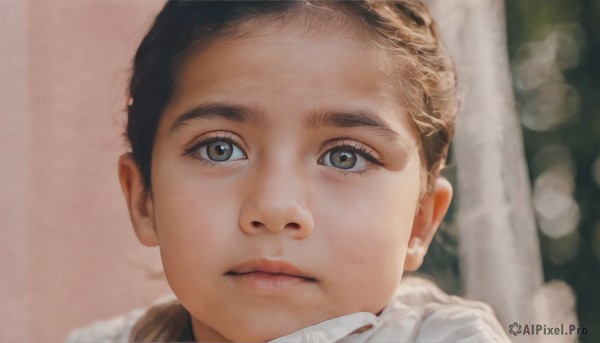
[280,197]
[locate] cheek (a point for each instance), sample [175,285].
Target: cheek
[191,206]
[192,214]
[376,214]
[368,259]
[196,222]
[372,237]
[368,229]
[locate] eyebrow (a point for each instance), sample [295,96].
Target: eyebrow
[359,118]
[238,114]
[316,120]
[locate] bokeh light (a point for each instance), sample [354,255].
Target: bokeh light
[569,41]
[555,207]
[551,105]
[535,66]
[557,213]
[548,100]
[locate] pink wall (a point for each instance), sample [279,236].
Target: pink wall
[68,253]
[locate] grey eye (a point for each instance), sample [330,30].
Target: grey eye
[220,151]
[346,159]
[342,159]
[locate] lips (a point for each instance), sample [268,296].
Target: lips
[268,267]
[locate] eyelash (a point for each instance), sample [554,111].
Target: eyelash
[204,141]
[352,146]
[356,148]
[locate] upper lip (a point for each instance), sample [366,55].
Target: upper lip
[268,266]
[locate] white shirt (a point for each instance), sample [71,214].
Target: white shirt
[419,312]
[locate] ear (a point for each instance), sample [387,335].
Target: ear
[139,201]
[432,209]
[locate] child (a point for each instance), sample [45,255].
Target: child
[285,158]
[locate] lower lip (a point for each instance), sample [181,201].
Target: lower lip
[268,281]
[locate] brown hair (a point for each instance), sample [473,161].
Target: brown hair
[168,322]
[403,29]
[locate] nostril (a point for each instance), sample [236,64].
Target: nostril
[295,226]
[255,224]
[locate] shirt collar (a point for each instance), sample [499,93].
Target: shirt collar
[332,330]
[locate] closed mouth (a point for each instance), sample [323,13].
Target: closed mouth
[231,273]
[268,268]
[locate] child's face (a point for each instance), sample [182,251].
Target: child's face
[310,160]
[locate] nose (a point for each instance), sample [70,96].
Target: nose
[275,202]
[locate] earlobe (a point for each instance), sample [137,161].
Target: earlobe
[139,201]
[432,209]
[415,254]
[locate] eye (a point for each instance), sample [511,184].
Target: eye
[345,158]
[219,150]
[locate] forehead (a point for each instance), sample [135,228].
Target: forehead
[290,67]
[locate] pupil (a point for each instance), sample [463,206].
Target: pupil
[219,151]
[343,159]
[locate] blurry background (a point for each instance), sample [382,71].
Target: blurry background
[554,49]
[554,56]
[68,255]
